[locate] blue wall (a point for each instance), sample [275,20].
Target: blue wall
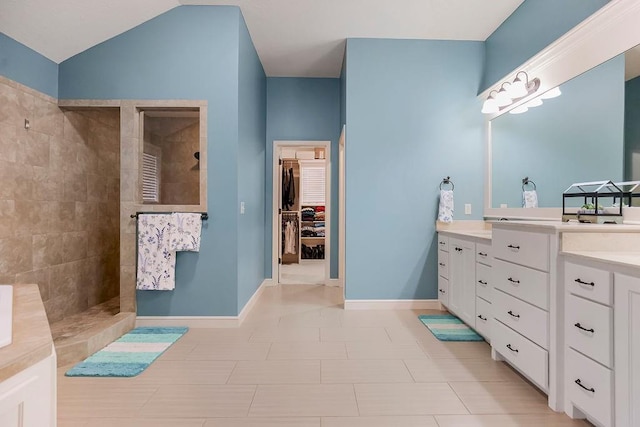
[26,66]
[303,109]
[567,139]
[413,118]
[531,28]
[191,52]
[631,124]
[252,104]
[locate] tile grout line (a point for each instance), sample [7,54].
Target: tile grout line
[459,398]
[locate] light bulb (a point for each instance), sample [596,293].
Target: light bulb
[518,88]
[490,106]
[502,98]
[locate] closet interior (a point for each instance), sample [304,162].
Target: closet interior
[302,210]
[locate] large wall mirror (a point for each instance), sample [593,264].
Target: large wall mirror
[590,132]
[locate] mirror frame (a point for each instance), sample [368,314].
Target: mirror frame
[610,31]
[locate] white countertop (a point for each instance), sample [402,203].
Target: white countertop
[477,234]
[626,259]
[571,226]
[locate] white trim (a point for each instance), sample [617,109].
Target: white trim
[342,210]
[392,304]
[609,32]
[205,321]
[275,251]
[334,282]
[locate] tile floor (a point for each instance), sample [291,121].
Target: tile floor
[307,272]
[299,360]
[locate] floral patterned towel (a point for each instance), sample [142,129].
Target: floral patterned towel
[156,259]
[445,209]
[185,234]
[529,199]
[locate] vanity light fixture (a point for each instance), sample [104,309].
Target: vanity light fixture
[490,106]
[502,98]
[519,109]
[535,102]
[519,87]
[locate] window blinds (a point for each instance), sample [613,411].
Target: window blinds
[313,184]
[150,179]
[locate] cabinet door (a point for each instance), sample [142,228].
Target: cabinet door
[443,291]
[627,349]
[462,285]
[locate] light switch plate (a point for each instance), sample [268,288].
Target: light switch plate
[467,208]
[241,208]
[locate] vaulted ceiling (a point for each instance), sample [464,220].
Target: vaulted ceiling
[294,38]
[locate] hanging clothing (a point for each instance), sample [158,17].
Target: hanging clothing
[288,189]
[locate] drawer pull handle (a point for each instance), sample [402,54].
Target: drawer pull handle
[510,313]
[459,249]
[513,247]
[592,390]
[579,326]
[482,254]
[441,243]
[441,264]
[582,282]
[482,282]
[515,350]
[442,291]
[482,318]
[512,280]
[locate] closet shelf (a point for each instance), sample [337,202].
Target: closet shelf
[312,237]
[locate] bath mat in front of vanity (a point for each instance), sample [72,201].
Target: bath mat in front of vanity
[130,354]
[447,327]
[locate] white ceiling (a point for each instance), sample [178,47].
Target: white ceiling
[294,38]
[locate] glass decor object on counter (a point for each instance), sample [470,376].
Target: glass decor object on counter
[598,202]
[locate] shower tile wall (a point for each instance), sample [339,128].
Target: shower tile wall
[178,139]
[59,200]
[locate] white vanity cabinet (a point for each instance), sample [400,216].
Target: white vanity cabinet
[521,303]
[27,398]
[462,279]
[443,270]
[627,350]
[484,290]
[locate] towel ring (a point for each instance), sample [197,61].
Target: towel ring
[526,181]
[446,181]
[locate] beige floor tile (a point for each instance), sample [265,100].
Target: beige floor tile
[371,319]
[544,420]
[369,350]
[364,371]
[276,372]
[307,351]
[311,319]
[435,370]
[347,334]
[231,351]
[405,334]
[285,335]
[146,422]
[73,422]
[187,372]
[304,400]
[393,421]
[199,401]
[459,350]
[407,399]
[86,400]
[217,335]
[264,422]
[501,397]
[178,351]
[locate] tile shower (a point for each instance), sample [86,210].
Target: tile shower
[59,200]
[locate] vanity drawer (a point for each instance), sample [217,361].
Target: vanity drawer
[529,358]
[590,387]
[522,282]
[582,314]
[526,319]
[443,291]
[483,318]
[443,264]
[443,243]
[483,253]
[483,282]
[521,247]
[588,282]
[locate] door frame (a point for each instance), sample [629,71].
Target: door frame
[275,217]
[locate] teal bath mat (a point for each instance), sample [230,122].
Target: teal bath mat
[447,327]
[130,354]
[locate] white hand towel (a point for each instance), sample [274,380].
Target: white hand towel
[186,231]
[445,209]
[156,260]
[529,199]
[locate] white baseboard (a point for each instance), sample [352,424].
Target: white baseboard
[392,304]
[204,321]
[334,282]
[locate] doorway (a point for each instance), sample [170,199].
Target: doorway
[301,212]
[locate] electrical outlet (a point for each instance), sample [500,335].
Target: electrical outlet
[503,205]
[241,208]
[467,209]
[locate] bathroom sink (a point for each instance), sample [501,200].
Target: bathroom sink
[6,314]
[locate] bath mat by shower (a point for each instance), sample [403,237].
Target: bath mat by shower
[129,355]
[447,327]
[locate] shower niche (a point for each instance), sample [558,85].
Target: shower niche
[171,156]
